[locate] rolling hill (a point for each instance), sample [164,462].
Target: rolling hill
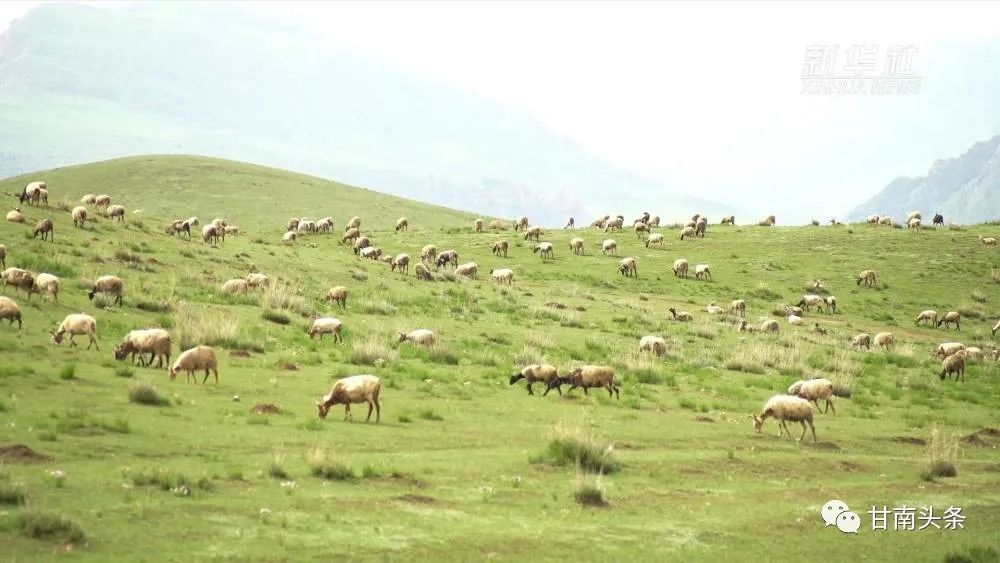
[104,460]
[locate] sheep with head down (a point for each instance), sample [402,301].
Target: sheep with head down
[545,250]
[469,270]
[863,340]
[47,283]
[196,359]
[654,238]
[338,295]
[10,311]
[428,253]
[627,267]
[20,279]
[814,390]
[655,344]
[79,214]
[400,262]
[154,341]
[502,276]
[326,325]
[576,246]
[784,409]
[949,318]
[609,246]
[884,340]
[537,372]
[77,324]
[44,228]
[354,389]
[589,377]
[680,268]
[419,337]
[953,365]
[3,257]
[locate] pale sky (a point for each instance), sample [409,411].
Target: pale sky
[704,97]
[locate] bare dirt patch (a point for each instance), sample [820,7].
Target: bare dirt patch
[20,453]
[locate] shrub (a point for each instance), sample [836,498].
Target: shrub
[430,414]
[372,351]
[276,317]
[589,492]
[323,467]
[441,355]
[277,468]
[11,494]
[941,455]
[583,453]
[359,275]
[124,371]
[127,257]
[68,371]
[978,296]
[143,393]
[974,554]
[53,527]
[200,325]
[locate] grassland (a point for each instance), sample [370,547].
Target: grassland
[464,466]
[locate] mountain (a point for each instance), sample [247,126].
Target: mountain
[84,82]
[965,189]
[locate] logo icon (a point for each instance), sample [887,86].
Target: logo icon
[831,510]
[848,522]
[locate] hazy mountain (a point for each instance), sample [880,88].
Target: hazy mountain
[81,83]
[965,189]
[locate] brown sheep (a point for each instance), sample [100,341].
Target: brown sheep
[951,317]
[954,364]
[44,228]
[534,373]
[338,295]
[588,377]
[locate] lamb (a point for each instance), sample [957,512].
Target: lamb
[655,238]
[236,286]
[576,245]
[370,252]
[738,306]
[10,311]
[79,216]
[537,372]
[770,325]
[502,276]
[913,223]
[196,359]
[44,228]
[795,320]
[951,317]
[702,271]
[422,272]
[729,220]
[351,234]
[88,199]
[687,232]
[326,325]
[831,305]
[400,262]
[682,316]
[428,253]
[588,377]
[108,284]
[946,349]
[155,341]
[813,390]
[292,225]
[790,310]
[867,277]
[47,283]
[363,242]
[884,340]
[353,223]
[354,389]
[3,257]
[533,232]
[209,233]
[402,224]
[613,225]
[469,270]
[654,344]
[544,249]
[20,279]
[338,294]
[988,241]
[74,324]
[103,200]
[478,225]
[954,364]
[810,300]
[680,268]
[289,237]
[419,337]
[929,315]
[641,229]
[116,212]
[713,309]
[862,340]
[627,267]
[609,246]
[784,408]
[768,221]
[15,216]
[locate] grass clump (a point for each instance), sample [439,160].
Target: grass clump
[974,554]
[153,305]
[372,351]
[276,317]
[941,455]
[442,355]
[68,371]
[583,453]
[52,527]
[281,297]
[143,393]
[371,306]
[430,414]
[124,371]
[200,325]
[277,468]
[320,465]
[589,491]
[11,493]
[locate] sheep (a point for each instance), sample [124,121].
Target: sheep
[682,316]
[600,222]
[47,283]
[478,225]
[742,326]
[236,286]
[938,219]
[533,232]
[196,359]
[946,349]
[768,221]
[209,233]
[700,227]
[819,330]
[10,311]
[422,272]
[354,389]
[428,253]
[537,372]
[609,246]
[230,230]
[784,408]
[641,229]
[831,305]
[654,222]
[702,271]
[929,315]
[179,226]
[996,327]
[813,390]
[770,325]
[292,225]
[739,307]
[103,200]
[654,238]
[687,232]
[20,279]
[351,235]
[973,353]
[913,223]
[44,228]
[576,246]
[108,284]
[713,309]
[680,268]
[951,317]
[88,199]
[447,257]
[3,257]
[795,320]
[811,300]
[400,262]
[30,192]
[353,223]
[612,225]
[914,215]
[15,216]
[326,325]
[193,221]
[289,237]
[155,341]
[306,226]
[521,224]
[654,344]
[361,243]
[469,270]
[571,224]
[642,218]
[545,250]
[884,340]
[988,241]
[324,225]
[867,277]
[790,310]
[627,267]
[370,252]
[402,224]
[79,216]
[74,324]
[116,212]
[954,364]
[862,340]
[885,220]
[497,225]
[419,337]
[338,294]
[729,220]
[588,377]
[502,276]
[257,280]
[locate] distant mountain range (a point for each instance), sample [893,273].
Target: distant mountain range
[965,189]
[80,83]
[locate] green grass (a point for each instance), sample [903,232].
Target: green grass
[463,464]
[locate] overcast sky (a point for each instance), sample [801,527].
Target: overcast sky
[704,97]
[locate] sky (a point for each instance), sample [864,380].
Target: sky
[703,97]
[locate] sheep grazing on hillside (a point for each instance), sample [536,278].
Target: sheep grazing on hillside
[790,310]
[571,224]
[74,324]
[627,267]
[420,337]
[949,318]
[682,316]
[196,359]
[354,389]
[545,250]
[576,246]
[929,315]
[641,230]
[3,257]
[862,340]
[502,276]
[353,223]
[428,253]
[814,390]
[914,215]
[770,325]
[402,224]
[609,246]
[810,300]
[10,311]
[702,272]
[739,307]
[655,238]
[230,230]
[687,232]
[521,224]
[469,270]
[370,252]
[953,365]
[913,223]
[422,272]
[728,220]
[44,228]
[350,235]
[784,409]
[102,201]
[47,283]
[654,344]
[257,280]
[884,340]
[236,286]
[400,262]
[654,222]
[885,220]
[768,221]
[612,225]
[972,353]
[742,326]
[108,284]
[292,225]
[537,372]
[988,241]
[831,305]
[866,277]
[497,225]
[478,225]
[361,243]
[20,279]
[154,341]
[589,377]
[326,325]
[600,222]
[306,226]
[289,237]
[680,268]
[447,257]
[179,226]
[116,212]
[795,320]
[338,295]
[713,309]
[533,233]
[210,235]
[500,248]
[88,199]
[79,217]
[700,227]
[30,192]
[946,349]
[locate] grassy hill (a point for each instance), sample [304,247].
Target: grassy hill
[464,465]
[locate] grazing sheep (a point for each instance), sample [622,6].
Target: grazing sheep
[713,309]
[447,257]
[400,262]
[929,315]
[784,408]
[770,325]
[973,353]
[642,218]
[230,230]
[44,228]
[350,235]
[370,252]
[884,340]
[654,344]
[946,349]
[742,326]
[938,219]
[428,253]
[885,220]
[88,199]
[353,223]
[654,222]
[387,258]
[236,286]
[654,238]
[402,224]
[307,226]
[790,310]
[738,306]
[47,283]
[289,237]
[589,377]
[913,223]
[325,225]
[74,324]
[576,246]
[795,320]
[533,232]
[700,227]
[571,224]
[257,280]
[600,222]
[363,242]
[831,305]
[681,268]
[79,216]
[702,271]
[954,364]
[179,226]
[627,267]
[103,200]
[867,277]
[729,220]
[609,246]
[20,279]
[338,294]
[293,224]
[862,340]
[813,390]
[478,225]
[469,270]
[951,317]
[497,225]
[768,221]
[612,225]
[502,276]
[30,192]
[354,389]
[535,373]
[914,215]
[154,341]
[196,359]
[521,224]
[682,316]
[108,284]
[209,233]
[988,241]
[810,300]
[545,250]
[326,325]
[10,311]
[419,337]
[641,229]
[687,232]
[421,271]
[116,212]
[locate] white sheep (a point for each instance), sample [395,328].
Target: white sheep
[713,309]
[929,315]
[784,408]
[116,212]
[289,237]
[257,280]
[770,325]
[20,279]
[422,272]
[47,283]
[688,232]
[370,252]
[446,257]
[338,294]
[545,250]
[576,245]
[702,271]
[681,268]
[361,243]
[79,216]
[654,344]
[988,241]
[10,311]
[884,340]
[210,233]
[478,225]
[831,305]
[533,232]
[292,225]
[867,277]
[946,349]
[655,238]
[609,246]
[326,325]
[103,200]
[951,317]
[351,235]
[400,262]
[641,229]
[88,199]
[768,221]
[196,359]
[236,286]
[738,306]
[502,276]
[627,267]
[420,337]
[973,353]
[682,316]
[589,377]
[354,223]
[108,284]
[537,372]
[402,224]
[154,341]
[863,340]
[954,364]
[469,270]
[354,389]
[613,225]
[74,324]
[428,253]
[913,223]
[813,390]
[795,320]
[810,300]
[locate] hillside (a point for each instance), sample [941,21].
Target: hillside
[463,464]
[965,189]
[78,84]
